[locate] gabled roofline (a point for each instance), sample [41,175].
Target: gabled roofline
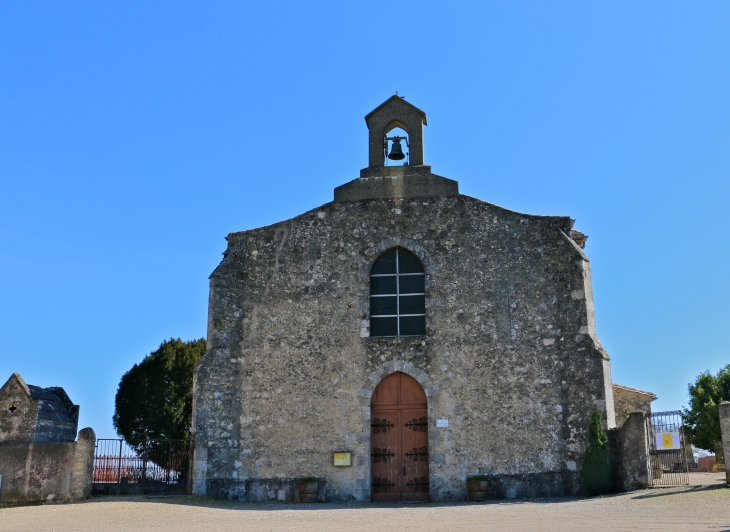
[400,99]
[19,381]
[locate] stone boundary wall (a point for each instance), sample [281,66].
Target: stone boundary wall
[724,409]
[629,454]
[48,471]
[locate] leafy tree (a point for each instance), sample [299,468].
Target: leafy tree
[702,419]
[155,398]
[596,469]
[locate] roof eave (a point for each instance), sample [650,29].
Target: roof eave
[401,99]
[635,390]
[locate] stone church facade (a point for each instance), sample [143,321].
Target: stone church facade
[431,335]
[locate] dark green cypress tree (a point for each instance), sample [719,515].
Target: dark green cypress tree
[596,470]
[155,397]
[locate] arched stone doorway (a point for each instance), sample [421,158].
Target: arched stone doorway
[399,440]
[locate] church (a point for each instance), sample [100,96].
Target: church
[398,340]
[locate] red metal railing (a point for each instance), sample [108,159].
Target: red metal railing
[149,464]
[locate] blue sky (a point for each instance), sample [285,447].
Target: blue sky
[135,135]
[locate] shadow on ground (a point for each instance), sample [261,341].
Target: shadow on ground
[674,490]
[190,500]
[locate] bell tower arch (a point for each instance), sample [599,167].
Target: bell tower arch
[395,131]
[395,112]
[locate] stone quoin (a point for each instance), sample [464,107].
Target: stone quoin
[500,342]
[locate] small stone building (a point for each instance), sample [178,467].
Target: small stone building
[627,400]
[397,340]
[40,456]
[35,414]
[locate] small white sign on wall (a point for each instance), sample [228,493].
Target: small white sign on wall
[442,423]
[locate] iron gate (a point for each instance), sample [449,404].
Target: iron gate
[144,467]
[666,443]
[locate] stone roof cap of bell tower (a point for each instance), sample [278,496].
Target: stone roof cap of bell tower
[394,101]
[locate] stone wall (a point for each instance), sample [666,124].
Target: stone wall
[510,357]
[629,454]
[627,400]
[18,413]
[37,472]
[724,410]
[82,472]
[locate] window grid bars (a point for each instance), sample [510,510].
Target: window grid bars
[397,287]
[397,294]
[396,315]
[394,274]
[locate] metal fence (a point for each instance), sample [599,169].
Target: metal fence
[667,455]
[141,467]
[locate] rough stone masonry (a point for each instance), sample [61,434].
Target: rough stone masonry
[510,357]
[39,459]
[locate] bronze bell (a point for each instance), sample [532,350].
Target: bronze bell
[396,152]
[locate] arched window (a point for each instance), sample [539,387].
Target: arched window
[397,295]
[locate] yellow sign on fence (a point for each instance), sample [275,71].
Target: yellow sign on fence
[667,440]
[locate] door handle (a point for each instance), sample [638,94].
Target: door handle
[404,470]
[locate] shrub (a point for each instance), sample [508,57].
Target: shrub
[596,469]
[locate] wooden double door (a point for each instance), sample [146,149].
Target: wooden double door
[399,440]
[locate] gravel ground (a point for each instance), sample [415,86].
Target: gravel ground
[702,506]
